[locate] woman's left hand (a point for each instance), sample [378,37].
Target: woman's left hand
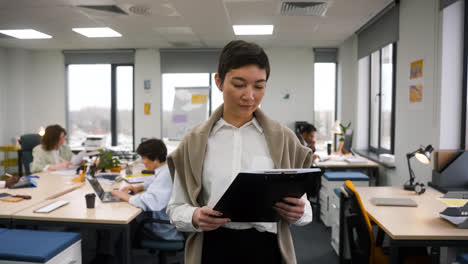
[290,208]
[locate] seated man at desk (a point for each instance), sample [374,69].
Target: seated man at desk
[157,193]
[306,136]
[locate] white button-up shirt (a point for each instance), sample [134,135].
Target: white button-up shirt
[229,150]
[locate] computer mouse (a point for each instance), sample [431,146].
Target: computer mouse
[130,192]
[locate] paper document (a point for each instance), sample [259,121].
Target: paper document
[139,179]
[78,158]
[456,220]
[356,160]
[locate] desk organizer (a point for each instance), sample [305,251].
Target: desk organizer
[31,247]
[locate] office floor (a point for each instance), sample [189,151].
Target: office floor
[312,244]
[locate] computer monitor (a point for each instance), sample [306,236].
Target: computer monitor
[348,141]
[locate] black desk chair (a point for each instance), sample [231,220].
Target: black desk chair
[25,157]
[168,251]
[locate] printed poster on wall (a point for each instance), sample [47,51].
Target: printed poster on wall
[147,108]
[416,69]
[416,93]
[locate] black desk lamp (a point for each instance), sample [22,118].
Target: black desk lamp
[424,156]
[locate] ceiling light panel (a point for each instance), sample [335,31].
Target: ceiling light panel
[253,29]
[98,32]
[25,34]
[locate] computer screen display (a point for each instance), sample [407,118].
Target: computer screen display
[348,140]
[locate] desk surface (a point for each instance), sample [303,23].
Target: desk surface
[48,186]
[76,211]
[411,223]
[335,161]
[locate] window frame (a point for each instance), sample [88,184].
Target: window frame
[113,116]
[379,148]
[464,120]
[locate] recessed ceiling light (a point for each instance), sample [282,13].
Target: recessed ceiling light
[253,29]
[98,32]
[25,34]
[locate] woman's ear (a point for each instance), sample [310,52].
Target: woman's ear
[218,82]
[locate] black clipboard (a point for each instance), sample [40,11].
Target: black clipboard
[252,194]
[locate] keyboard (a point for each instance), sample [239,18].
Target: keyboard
[51,207]
[394,202]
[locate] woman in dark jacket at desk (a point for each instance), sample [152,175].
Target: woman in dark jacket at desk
[238,136]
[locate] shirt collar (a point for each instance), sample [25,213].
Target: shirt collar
[221,123]
[158,170]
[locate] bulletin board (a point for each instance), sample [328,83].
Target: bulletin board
[190,108]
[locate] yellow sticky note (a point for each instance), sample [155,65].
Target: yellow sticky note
[453,202]
[199,99]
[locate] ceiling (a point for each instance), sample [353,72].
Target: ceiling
[180,23]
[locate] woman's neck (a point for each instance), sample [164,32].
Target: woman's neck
[235,120]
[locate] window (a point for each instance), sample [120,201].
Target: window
[324,102]
[100,102]
[381,101]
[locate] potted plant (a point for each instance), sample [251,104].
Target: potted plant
[342,136]
[106,161]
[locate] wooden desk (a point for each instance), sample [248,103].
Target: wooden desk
[48,186]
[115,216]
[337,163]
[412,226]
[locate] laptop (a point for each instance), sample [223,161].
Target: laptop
[407,202]
[105,197]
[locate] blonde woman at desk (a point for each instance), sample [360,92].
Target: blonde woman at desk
[52,154]
[238,136]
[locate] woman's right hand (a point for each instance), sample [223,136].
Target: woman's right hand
[204,219]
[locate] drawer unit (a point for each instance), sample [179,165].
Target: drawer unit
[330,181]
[28,247]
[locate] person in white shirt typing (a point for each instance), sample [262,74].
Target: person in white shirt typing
[157,193]
[238,136]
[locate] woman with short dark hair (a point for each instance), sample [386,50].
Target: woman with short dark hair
[238,136]
[52,154]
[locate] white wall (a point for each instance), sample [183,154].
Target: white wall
[3,87]
[18,72]
[37,95]
[416,124]
[291,72]
[347,82]
[451,76]
[44,98]
[147,67]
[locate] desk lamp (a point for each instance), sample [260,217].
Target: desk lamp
[424,156]
[336,129]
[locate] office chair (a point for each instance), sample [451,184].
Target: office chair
[357,243]
[25,157]
[169,251]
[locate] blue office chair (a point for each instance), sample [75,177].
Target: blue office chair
[168,251]
[25,157]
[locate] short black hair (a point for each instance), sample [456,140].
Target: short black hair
[239,53]
[153,149]
[307,128]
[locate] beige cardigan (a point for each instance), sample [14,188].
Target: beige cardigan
[286,152]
